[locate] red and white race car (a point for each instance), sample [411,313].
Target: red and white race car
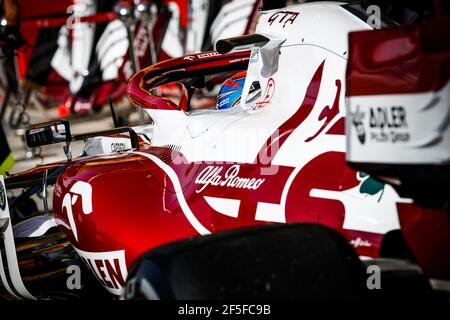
[276,157]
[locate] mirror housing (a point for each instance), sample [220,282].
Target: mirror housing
[57,131]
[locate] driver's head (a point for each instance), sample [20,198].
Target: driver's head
[231,91]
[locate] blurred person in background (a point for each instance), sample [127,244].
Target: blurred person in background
[11,40]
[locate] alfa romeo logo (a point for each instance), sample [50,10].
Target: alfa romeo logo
[2,197]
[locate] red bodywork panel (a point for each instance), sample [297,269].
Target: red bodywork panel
[399,60]
[135,206]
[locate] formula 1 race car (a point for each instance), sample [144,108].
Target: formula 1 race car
[252,200]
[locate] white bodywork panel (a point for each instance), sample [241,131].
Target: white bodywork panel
[308,36]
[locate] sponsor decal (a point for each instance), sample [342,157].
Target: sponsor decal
[2,197]
[370,186]
[283,17]
[202,56]
[81,190]
[357,121]
[208,55]
[237,60]
[116,146]
[358,242]
[268,94]
[225,101]
[211,175]
[388,125]
[254,55]
[109,268]
[393,117]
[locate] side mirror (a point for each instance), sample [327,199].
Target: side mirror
[48,133]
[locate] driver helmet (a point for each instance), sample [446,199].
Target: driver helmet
[231,91]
